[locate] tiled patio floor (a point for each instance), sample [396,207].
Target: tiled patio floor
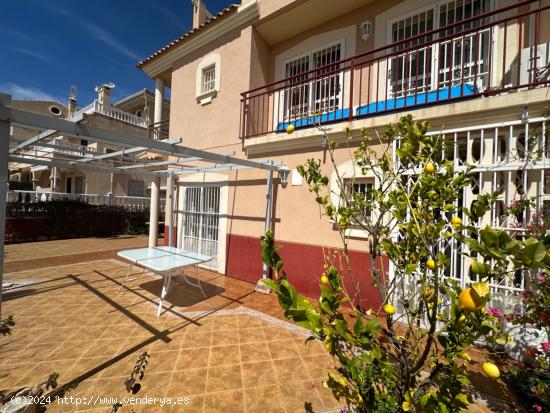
[224,353]
[230,352]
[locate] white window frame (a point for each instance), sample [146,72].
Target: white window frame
[283,116]
[435,7]
[211,60]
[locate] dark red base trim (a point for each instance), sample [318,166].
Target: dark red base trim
[174,234]
[304,265]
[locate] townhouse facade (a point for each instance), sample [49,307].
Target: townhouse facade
[132,114]
[477,70]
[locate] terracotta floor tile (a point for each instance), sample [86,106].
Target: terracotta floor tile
[187,382]
[196,340]
[225,323]
[251,335]
[275,333]
[318,366]
[301,396]
[162,361]
[289,369]
[225,337]
[282,349]
[224,378]
[223,355]
[109,347]
[266,399]
[254,352]
[257,374]
[224,402]
[192,358]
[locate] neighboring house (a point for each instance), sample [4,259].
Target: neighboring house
[132,114]
[240,77]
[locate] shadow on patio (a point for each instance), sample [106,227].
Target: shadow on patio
[229,351]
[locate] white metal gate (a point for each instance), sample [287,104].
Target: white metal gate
[201,222]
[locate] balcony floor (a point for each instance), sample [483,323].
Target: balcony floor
[230,352]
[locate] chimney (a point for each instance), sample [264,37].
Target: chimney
[200,13]
[71,105]
[104,94]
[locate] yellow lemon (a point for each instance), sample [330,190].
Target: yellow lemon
[290,129]
[389,309]
[456,221]
[490,370]
[431,264]
[429,168]
[324,279]
[470,300]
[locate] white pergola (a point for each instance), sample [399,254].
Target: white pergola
[183,160]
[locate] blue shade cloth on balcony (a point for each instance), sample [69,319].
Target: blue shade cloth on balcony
[434,96]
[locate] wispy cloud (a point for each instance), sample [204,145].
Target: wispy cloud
[32,53]
[169,14]
[16,34]
[98,33]
[25,92]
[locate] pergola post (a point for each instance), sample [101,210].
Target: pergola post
[154,212]
[268,212]
[170,214]
[4,150]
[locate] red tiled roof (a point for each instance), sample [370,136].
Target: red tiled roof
[228,10]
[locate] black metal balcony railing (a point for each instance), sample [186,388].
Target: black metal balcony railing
[489,53]
[159,130]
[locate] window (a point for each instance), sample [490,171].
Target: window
[324,94]
[136,188]
[361,190]
[451,62]
[208,79]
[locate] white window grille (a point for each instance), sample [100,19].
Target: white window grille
[208,79]
[459,60]
[360,189]
[136,188]
[323,93]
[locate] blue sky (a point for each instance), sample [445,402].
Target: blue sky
[49,45]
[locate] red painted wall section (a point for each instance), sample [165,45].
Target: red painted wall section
[243,258]
[303,265]
[174,233]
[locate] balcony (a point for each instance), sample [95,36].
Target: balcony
[490,53]
[159,130]
[112,112]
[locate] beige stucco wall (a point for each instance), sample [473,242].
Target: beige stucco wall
[216,123]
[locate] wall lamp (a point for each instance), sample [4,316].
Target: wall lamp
[283,175]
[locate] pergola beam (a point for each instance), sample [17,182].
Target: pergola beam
[123,152]
[20,117]
[70,165]
[216,168]
[33,140]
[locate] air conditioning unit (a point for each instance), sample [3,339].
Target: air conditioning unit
[527,70]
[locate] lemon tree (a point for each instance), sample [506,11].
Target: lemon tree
[408,350]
